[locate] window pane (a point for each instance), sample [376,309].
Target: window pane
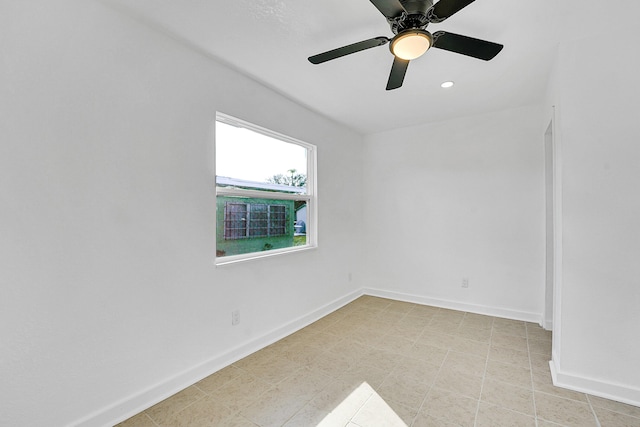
[277,220]
[259,220]
[248,159]
[247,225]
[235,221]
[300,223]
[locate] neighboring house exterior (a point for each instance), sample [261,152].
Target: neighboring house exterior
[301,220]
[253,224]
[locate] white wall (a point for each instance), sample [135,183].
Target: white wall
[459,199]
[596,348]
[109,293]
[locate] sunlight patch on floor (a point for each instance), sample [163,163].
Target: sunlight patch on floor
[374,411]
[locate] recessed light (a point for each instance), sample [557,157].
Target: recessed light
[447,84]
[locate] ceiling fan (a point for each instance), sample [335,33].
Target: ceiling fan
[408,20]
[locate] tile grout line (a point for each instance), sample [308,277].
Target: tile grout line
[415,417]
[597,421]
[593,411]
[237,412]
[373,347]
[533,392]
[424,399]
[616,411]
[484,375]
[404,316]
[351,420]
[152,420]
[205,394]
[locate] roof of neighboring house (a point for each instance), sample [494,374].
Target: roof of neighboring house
[225,181]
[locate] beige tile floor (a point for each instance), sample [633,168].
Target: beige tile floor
[378,362]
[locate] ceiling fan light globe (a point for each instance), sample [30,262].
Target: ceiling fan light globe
[411,44]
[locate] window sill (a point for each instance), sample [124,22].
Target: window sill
[235,259]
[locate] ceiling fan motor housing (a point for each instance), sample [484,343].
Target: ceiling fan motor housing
[416,6]
[414,18]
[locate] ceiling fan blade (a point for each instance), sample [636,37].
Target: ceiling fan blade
[347,50]
[464,45]
[389,8]
[398,70]
[445,8]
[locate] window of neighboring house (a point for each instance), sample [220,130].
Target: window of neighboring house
[265,192]
[243,220]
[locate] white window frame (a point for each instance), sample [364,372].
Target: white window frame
[310,197]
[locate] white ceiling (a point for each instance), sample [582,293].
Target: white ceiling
[270,41]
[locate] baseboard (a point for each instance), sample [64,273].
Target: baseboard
[455,305]
[140,401]
[608,390]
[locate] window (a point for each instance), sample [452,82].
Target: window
[265,192]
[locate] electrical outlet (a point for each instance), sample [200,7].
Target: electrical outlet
[349,276]
[235,317]
[465,282]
